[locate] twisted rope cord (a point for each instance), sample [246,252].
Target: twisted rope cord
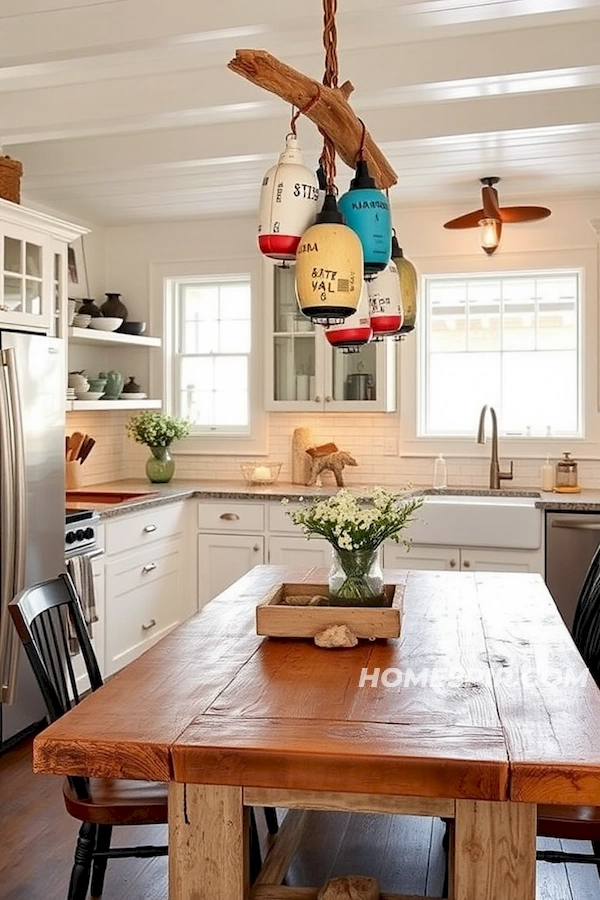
[330,79]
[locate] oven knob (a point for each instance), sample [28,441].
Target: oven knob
[79,534]
[70,537]
[88,534]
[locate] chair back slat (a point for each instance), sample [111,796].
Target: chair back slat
[586,625]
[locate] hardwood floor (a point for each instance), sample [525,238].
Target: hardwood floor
[37,838]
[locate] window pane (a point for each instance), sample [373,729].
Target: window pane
[509,341]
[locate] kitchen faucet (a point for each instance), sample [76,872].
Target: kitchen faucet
[496,476]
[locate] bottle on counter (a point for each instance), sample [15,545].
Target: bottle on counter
[440,473]
[547,475]
[566,475]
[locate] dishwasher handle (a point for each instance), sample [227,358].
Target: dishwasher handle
[577,526]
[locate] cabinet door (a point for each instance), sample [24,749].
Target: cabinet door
[27,282]
[298,551]
[366,380]
[482,559]
[395,556]
[223,558]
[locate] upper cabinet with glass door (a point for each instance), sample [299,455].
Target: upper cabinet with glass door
[304,372]
[33,268]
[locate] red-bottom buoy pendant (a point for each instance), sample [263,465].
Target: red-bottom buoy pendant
[289,202]
[356,331]
[385,302]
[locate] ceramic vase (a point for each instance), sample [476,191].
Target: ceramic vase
[356,578]
[160,466]
[114,307]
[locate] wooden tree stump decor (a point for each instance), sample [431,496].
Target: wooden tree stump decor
[327,107]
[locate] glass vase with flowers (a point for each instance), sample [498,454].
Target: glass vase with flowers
[356,525]
[158,431]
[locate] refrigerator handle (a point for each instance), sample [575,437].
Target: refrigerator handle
[14,398]
[9,647]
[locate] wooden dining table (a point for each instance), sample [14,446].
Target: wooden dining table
[479,712]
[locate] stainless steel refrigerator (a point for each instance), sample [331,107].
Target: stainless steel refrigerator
[32,502]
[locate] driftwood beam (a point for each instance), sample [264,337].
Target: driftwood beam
[330,110]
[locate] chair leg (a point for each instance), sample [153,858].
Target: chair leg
[255,857]
[446,848]
[596,849]
[99,866]
[271,817]
[80,873]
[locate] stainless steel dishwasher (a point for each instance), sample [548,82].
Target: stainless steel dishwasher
[571,541]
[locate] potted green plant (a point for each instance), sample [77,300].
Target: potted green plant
[158,431]
[356,525]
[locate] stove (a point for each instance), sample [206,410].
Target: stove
[80,530]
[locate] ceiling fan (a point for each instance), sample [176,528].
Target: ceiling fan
[492,216]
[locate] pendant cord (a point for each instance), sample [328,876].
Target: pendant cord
[330,79]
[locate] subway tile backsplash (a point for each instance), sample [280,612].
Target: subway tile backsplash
[366,436]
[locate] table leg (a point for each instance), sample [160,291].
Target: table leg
[208,843]
[494,851]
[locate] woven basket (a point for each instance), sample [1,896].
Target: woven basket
[10,179]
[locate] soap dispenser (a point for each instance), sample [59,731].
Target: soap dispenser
[440,473]
[547,475]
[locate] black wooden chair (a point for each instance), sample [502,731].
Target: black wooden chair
[48,617]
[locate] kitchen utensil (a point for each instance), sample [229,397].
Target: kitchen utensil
[105,323]
[81,320]
[86,448]
[77,439]
[131,396]
[89,395]
[359,386]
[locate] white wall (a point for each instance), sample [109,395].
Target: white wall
[131,250]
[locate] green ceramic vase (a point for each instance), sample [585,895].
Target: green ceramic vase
[160,467]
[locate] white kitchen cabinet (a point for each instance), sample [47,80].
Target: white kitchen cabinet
[150,579]
[462,559]
[223,558]
[33,266]
[287,550]
[304,372]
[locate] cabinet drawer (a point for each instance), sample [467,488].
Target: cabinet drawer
[138,529]
[279,519]
[143,602]
[224,516]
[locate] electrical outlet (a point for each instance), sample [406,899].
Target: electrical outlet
[390,447]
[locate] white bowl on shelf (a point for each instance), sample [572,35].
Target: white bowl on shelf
[105,323]
[88,395]
[132,396]
[81,320]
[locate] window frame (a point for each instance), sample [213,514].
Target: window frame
[412,363]
[164,277]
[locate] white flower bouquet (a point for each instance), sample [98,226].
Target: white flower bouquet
[156,429]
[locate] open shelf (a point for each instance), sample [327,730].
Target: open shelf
[72,405]
[110,338]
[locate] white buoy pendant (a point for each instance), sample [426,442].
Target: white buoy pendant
[289,202]
[329,268]
[355,331]
[385,302]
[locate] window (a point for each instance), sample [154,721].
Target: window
[211,353]
[511,340]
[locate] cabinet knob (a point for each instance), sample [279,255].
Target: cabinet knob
[317,399]
[452,563]
[327,399]
[149,528]
[466,564]
[149,625]
[149,567]
[256,548]
[229,517]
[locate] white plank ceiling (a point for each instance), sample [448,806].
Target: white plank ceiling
[124,110]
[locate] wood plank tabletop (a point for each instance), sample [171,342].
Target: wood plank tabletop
[213,703]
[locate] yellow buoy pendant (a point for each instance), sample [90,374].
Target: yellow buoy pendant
[329,268]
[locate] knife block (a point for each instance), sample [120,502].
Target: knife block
[72,474]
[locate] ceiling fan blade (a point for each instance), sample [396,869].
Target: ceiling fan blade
[469,220]
[523,213]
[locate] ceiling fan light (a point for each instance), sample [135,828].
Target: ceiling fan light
[489,234]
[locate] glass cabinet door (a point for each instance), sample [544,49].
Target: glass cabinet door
[294,343]
[22,282]
[354,376]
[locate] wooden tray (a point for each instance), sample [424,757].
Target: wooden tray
[276,619]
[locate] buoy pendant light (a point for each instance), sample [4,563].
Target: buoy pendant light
[409,285]
[289,202]
[367,211]
[329,268]
[385,306]
[356,331]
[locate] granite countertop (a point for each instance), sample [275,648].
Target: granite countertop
[157,494]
